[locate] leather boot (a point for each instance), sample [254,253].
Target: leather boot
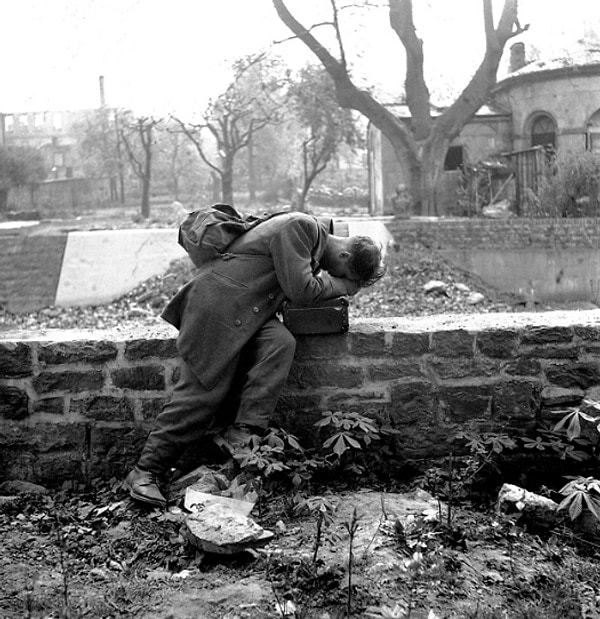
[143,486]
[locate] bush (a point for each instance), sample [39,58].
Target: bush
[569,187]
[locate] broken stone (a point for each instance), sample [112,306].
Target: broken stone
[435,286]
[198,501]
[16,486]
[220,530]
[203,479]
[531,508]
[475,298]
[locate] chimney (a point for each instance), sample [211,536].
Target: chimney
[102,99]
[517,57]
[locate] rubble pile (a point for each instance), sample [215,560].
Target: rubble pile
[405,290]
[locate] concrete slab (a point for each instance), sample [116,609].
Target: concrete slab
[99,266]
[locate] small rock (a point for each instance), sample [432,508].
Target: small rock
[475,298]
[100,573]
[435,286]
[16,486]
[531,508]
[462,287]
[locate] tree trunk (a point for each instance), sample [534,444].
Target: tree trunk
[145,197]
[215,186]
[3,200]
[251,171]
[408,141]
[227,183]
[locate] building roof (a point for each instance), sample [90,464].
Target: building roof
[485,111]
[580,61]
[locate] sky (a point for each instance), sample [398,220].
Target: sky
[170,56]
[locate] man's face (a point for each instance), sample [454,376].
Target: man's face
[339,266]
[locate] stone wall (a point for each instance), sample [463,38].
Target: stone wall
[517,233]
[79,405]
[30,268]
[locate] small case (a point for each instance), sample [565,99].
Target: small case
[326,317]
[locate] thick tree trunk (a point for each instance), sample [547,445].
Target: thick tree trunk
[411,141]
[227,183]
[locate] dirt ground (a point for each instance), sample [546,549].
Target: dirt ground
[76,553]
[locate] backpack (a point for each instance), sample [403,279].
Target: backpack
[205,235]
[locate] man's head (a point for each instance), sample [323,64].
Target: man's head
[356,257]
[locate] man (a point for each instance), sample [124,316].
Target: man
[235,353]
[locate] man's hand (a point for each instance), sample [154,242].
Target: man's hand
[352,285]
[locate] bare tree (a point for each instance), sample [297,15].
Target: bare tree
[325,125]
[138,141]
[420,146]
[232,119]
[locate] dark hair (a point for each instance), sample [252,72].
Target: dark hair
[365,260]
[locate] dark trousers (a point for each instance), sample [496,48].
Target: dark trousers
[247,391]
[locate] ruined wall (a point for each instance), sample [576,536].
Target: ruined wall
[77,405]
[515,233]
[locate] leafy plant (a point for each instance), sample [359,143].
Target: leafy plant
[566,438]
[350,432]
[581,493]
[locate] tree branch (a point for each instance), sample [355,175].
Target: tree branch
[347,94]
[417,93]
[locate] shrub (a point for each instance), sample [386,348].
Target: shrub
[569,187]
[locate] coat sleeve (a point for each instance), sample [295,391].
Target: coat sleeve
[292,253]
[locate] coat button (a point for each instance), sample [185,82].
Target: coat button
[255,310]
[237,322]
[271,296]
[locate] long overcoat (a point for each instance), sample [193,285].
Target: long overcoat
[231,297]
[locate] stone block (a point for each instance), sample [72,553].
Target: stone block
[57,353]
[393,370]
[517,399]
[124,440]
[523,366]
[151,407]
[297,403]
[42,437]
[142,349]
[557,396]
[53,406]
[409,344]
[574,375]
[72,381]
[14,403]
[547,335]
[497,344]
[367,344]
[412,402]
[15,360]
[555,351]
[307,376]
[458,343]
[141,378]
[590,333]
[466,402]
[321,346]
[104,408]
[56,467]
[449,369]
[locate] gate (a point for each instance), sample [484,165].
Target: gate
[528,165]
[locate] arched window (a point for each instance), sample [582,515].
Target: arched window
[593,133]
[543,132]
